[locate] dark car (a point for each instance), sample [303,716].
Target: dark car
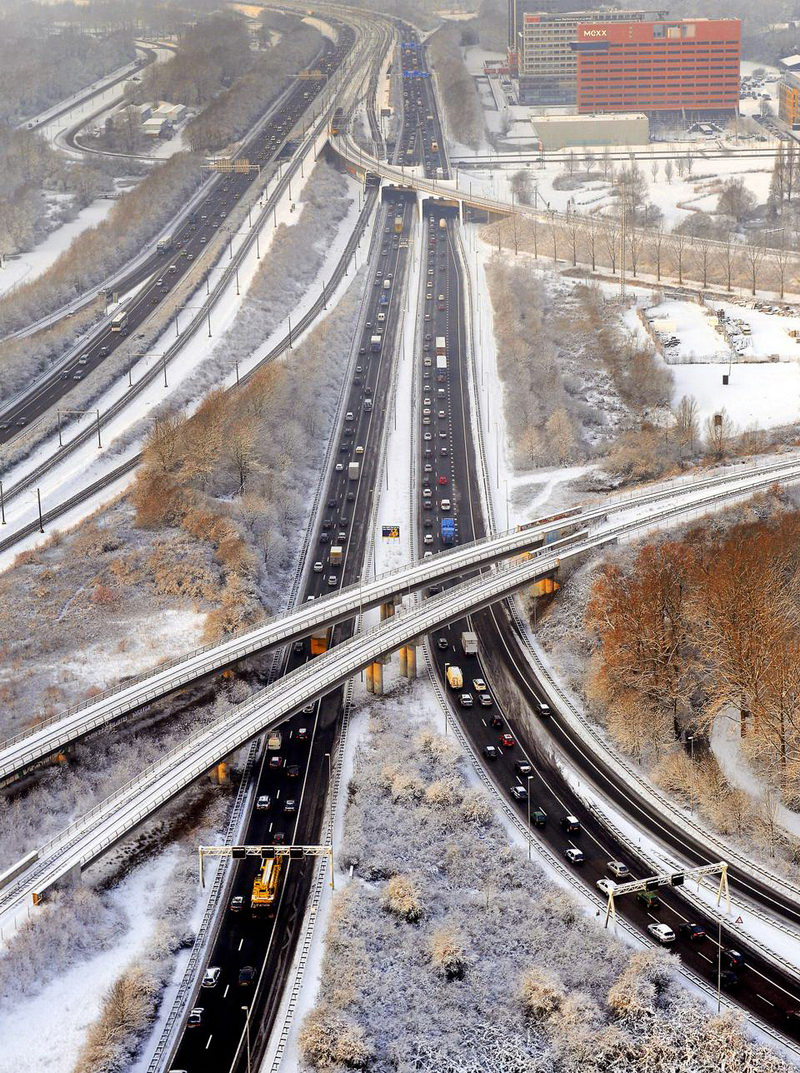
[495,721]
[246,975]
[442,644]
[523,767]
[293,771]
[302,734]
[734,959]
[491,752]
[729,980]
[237,904]
[290,805]
[695,932]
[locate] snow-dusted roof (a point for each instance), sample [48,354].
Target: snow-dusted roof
[790,61]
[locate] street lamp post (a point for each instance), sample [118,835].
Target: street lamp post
[2,506]
[39,501]
[246,1010]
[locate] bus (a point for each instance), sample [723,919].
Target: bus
[398,224]
[119,321]
[265,885]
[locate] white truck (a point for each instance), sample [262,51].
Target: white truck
[335,557]
[353,471]
[469,643]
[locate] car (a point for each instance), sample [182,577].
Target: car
[443,480]
[465,700]
[507,741]
[276,762]
[734,959]
[491,752]
[496,721]
[662,933]
[84,360]
[293,771]
[428,538]
[290,805]
[485,700]
[324,538]
[523,767]
[195,1017]
[649,899]
[302,732]
[427,436]
[479,685]
[728,979]
[246,975]
[574,855]
[444,451]
[618,869]
[693,932]
[159,283]
[571,824]
[237,904]
[211,977]
[332,581]
[264,803]
[442,644]
[75,376]
[519,793]
[543,709]
[606,886]
[429,296]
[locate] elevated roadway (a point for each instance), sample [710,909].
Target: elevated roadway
[27,749]
[91,835]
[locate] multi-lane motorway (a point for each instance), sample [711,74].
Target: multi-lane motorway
[449,487]
[161,273]
[253,951]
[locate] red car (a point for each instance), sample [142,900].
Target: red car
[507,741]
[443,480]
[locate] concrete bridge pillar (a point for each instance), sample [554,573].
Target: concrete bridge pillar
[374,678]
[387,610]
[220,774]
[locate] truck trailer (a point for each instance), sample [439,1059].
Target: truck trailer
[455,679]
[375,344]
[448,530]
[353,471]
[441,346]
[469,643]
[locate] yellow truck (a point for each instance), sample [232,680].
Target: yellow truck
[455,679]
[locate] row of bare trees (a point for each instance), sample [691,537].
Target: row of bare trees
[602,242]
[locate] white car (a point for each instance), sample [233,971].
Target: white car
[574,855]
[318,568]
[428,538]
[662,933]
[606,886]
[445,504]
[211,977]
[618,869]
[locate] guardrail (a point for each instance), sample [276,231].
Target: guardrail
[283,628]
[95,831]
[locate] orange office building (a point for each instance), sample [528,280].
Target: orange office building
[687,66]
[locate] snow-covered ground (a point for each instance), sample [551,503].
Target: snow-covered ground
[45,1033]
[87,464]
[25,267]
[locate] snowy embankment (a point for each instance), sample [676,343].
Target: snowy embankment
[424,917]
[200,364]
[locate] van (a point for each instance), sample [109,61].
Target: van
[381,317]
[387,284]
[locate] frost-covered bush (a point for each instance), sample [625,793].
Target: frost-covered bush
[426,998]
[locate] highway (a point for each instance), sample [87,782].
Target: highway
[292,780]
[163,271]
[448,462]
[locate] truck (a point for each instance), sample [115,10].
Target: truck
[320,641]
[375,344]
[265,885]
[353,471]
[441,346]
[398,224]
[335,557]
[275,740]
[455,679]
[448,530]
[441,363]
[164,244]
[469,643]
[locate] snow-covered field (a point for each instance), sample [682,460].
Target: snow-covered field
[25,267]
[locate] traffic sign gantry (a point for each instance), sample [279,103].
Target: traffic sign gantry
[264,853]
[667,879]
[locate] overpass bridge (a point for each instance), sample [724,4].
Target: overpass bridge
[51,736]
[113,819]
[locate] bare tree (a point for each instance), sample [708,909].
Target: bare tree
[657,238]
[753,257]
[678,244]
[687,425]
